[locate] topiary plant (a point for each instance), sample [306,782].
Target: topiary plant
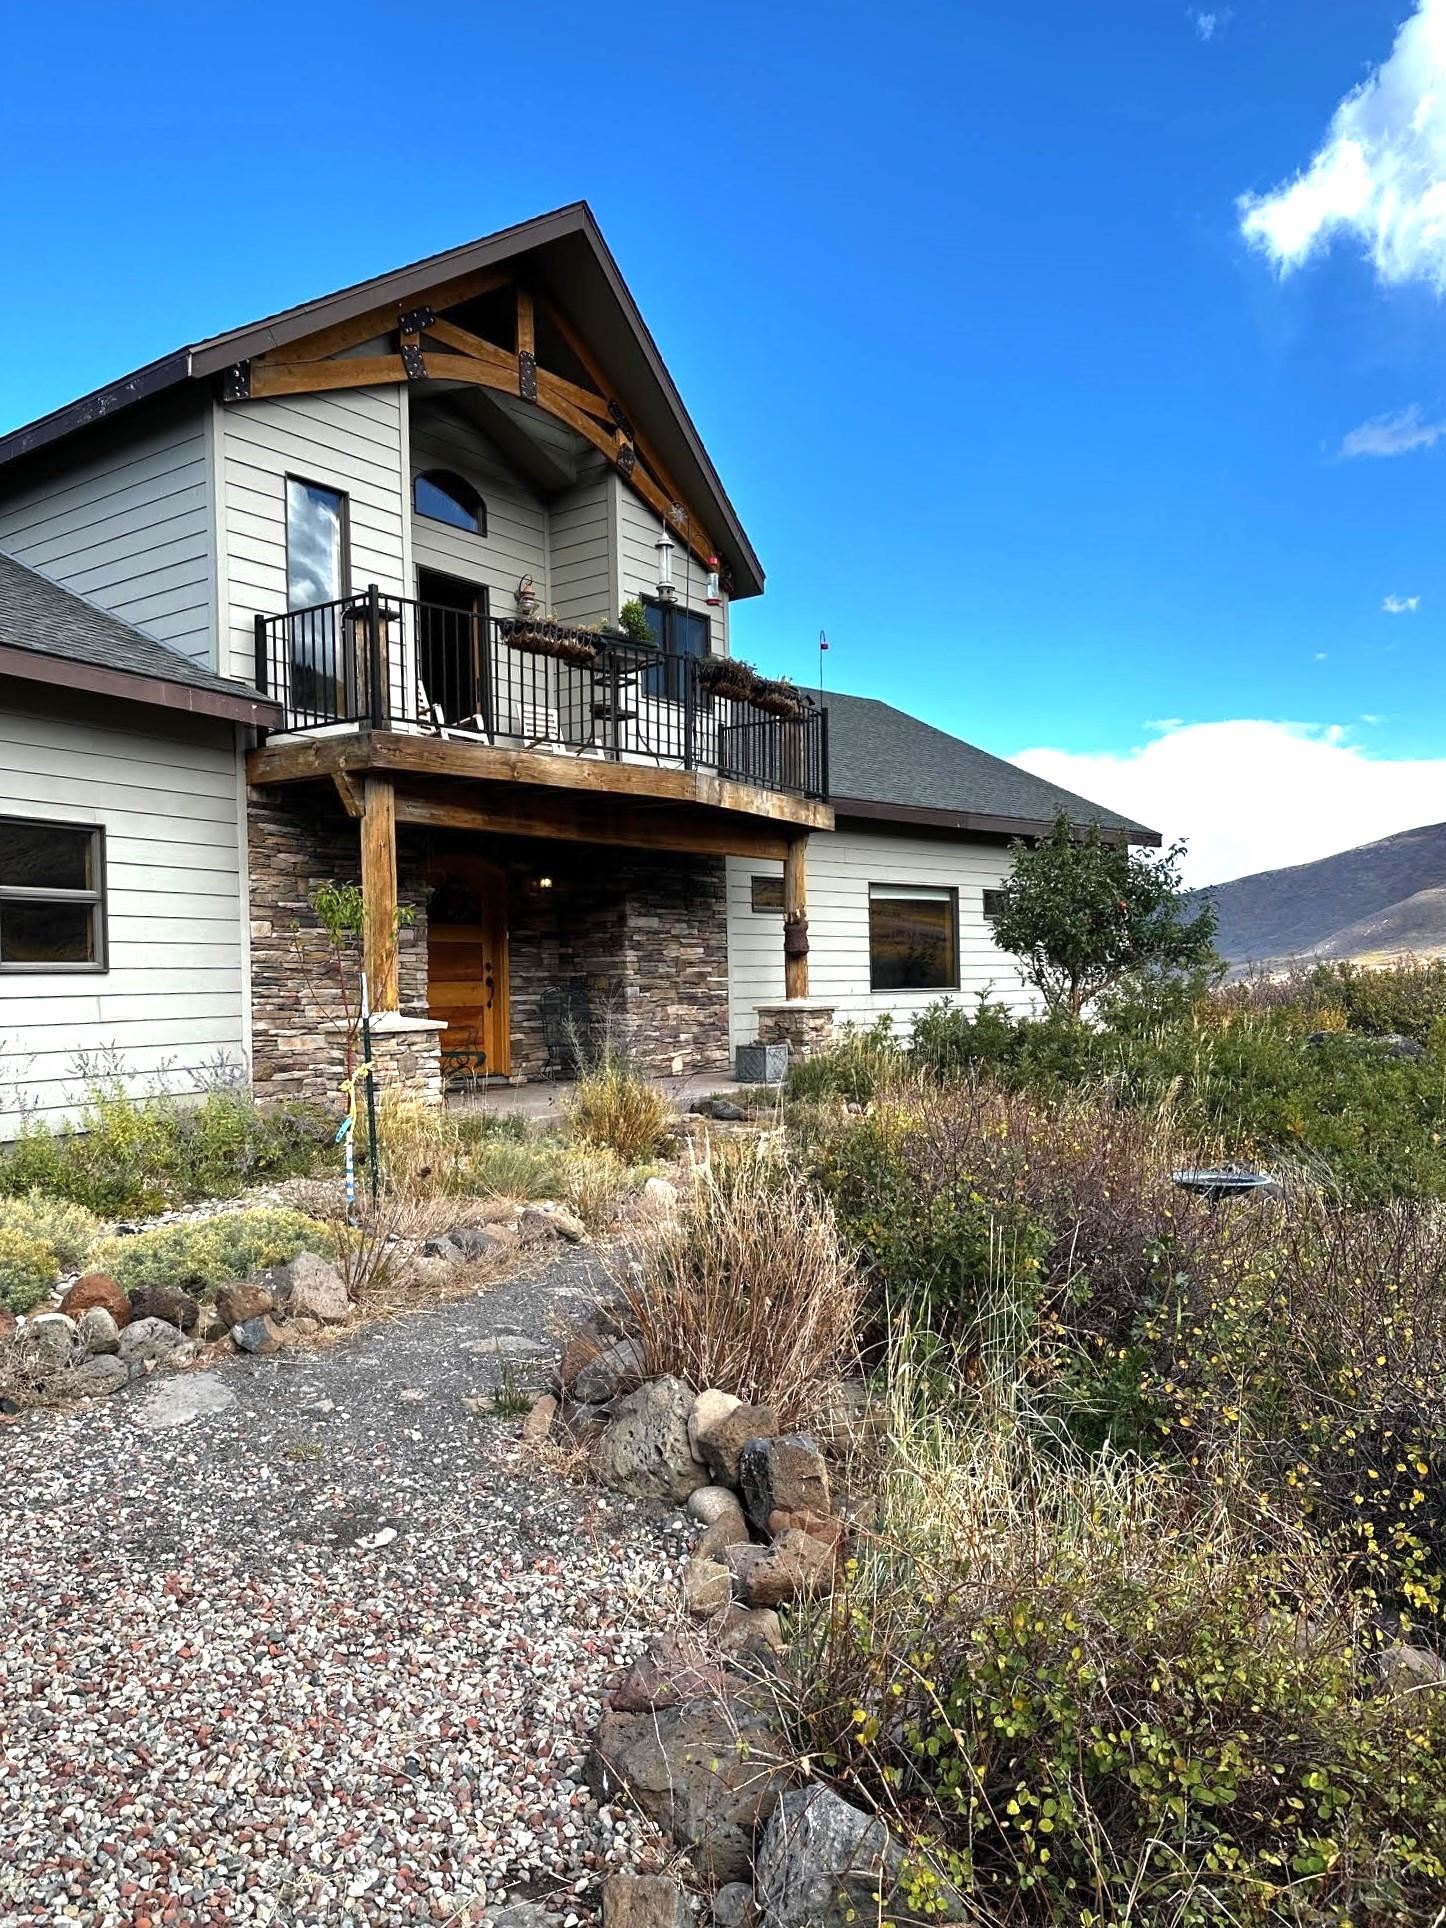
[28,1270]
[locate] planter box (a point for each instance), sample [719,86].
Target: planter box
[760,1063]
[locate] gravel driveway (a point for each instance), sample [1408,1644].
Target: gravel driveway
[327,1652]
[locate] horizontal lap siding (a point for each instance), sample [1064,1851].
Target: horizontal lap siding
[128,527]
[841,866]
[639,528]
[350,440]
[515,544]
[171,1003]
[582,529]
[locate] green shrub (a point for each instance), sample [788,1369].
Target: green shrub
[28,1270]
[211,1251]
[69,1230]
[505,1165]
[1091,1695]
[613,1107]
[134,1156]
[855,1068]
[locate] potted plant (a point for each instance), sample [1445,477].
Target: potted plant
[727,676]
[560,641]
[778,697]
[635,623]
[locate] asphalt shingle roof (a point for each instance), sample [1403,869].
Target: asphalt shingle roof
[37,614]
[881,755]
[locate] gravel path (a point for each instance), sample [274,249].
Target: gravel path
[328,1652]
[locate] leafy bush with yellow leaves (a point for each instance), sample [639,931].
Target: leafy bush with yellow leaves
[69,1230]
[28,1270]
[209,1252]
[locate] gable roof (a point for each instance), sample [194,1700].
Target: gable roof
[567,258]
[891,766]
[50,635]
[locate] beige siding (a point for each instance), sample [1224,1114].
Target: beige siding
[125,521]
[515,544]
[583,532]
[165,791]
[638,529]
[841,866]
[350,440]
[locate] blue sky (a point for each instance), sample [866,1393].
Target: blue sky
[961,298]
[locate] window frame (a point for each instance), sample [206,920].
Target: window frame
[1000,893]
[947,893]
[343,496]
[97,898]
[479,528]
[773,883]
[664,679]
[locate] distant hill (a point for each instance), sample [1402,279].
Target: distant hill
[1368,903]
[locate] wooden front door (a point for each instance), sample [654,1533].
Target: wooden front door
[467,959]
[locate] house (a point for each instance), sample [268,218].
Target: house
[426,584]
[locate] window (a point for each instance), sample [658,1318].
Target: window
[680,632]
[442,496]
[913,938]
[316,544]
[996,902]
[317,578]
[52,896]
[767,893]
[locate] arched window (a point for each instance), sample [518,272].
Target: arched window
[444,497]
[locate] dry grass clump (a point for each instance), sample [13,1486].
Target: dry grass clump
[747,1287]
[418,1142]
[612,1106]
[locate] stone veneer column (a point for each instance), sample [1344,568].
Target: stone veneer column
[298,840]
[805,1026]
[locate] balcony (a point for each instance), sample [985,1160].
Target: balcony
[388,664]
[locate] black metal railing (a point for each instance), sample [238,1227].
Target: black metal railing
[387,662]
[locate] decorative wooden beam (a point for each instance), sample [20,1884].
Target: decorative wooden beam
[350,794]
[379,893]
[558,819]
[386,319]
[795,919]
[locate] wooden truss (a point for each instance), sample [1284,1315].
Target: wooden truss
[431,348]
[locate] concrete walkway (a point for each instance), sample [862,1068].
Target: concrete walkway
[547,1100]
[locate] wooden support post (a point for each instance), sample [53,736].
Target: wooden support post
[795,919]
[379,892]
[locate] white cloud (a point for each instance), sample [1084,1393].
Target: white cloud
[1209,25]
[1380,171]
[1394,434]
[1401,605]
[1321,654]
[1252,795]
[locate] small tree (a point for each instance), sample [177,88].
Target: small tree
[1086,915]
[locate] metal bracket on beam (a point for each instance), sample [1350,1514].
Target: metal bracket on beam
[236,382]
[412,360]
[627,458]
[415,320]
[625,427]
[527,376]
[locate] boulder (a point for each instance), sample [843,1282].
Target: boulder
[722,1446]
[103,1374]
[783,1474]
[429,1271]
[581,1349]
[1404,1668]
[674,1669]
[538,1423]
[443,1248]
[793,1568]
[644,1901]
[539,1222]
[710,1409]
[97,1288]
[729,1529]
[707,1587]
[610,1373]
[734,1906]
[824,1864]
[311,1288]
[241,1300]
[707,1770]
[478,1242]
[644,1450]
[149,1338]
[818,1526]
[710,1503]
[167,1303]
[97,1332]
[741,1631]
[257,1335]
[211,1326]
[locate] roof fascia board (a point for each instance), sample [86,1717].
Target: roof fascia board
[972,822]
[66,672]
